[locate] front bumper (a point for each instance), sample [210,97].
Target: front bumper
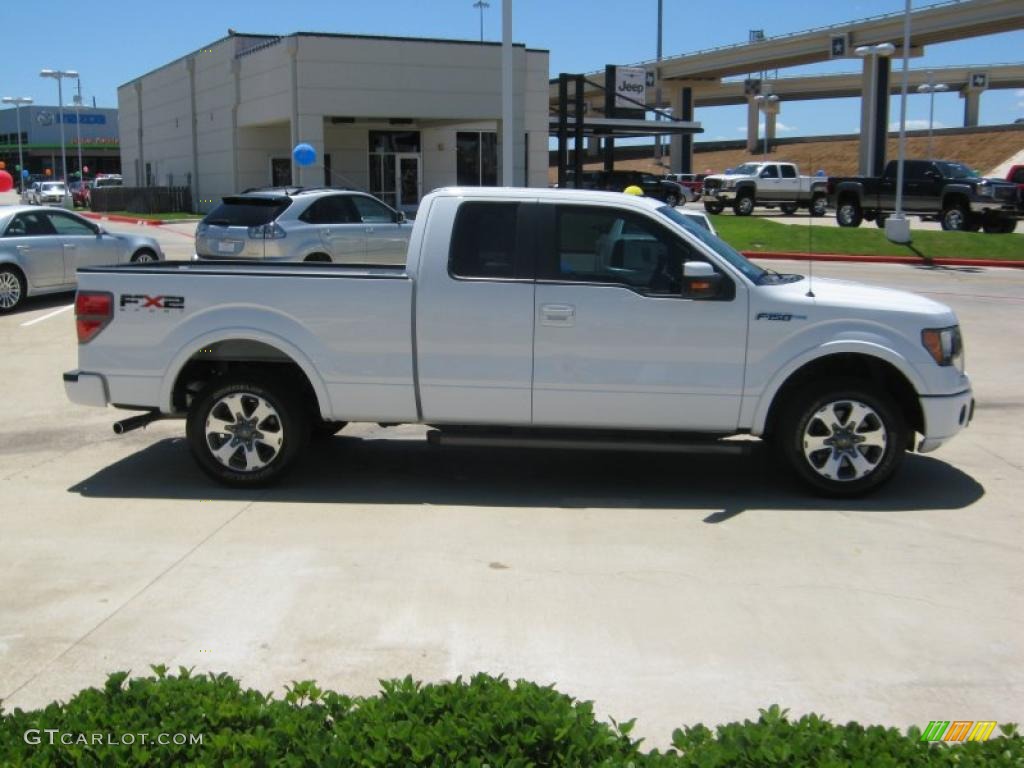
[1003,207]
[724,195]
[944,417]
[86,389]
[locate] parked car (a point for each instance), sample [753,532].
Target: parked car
[766,183]
[41,248]
[534,318]
[670,192]
[102,180]
[1016,176]
[692,181]
[961,198]
[51,193]
[80,192]
[295,224]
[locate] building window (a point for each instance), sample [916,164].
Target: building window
[390,142]
[477,158]
[280,171]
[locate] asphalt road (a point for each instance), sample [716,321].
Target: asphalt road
[672,589]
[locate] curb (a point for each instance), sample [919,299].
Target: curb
[863,259]
[131,220]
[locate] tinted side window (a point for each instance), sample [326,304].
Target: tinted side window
[788,171]
[484,240]
[603,245]
[69,225]
[29,225]
[371,211]
[770,172]
[335,209]
[914,169]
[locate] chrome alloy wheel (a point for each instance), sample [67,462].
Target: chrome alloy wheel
[845,440]
[847,213]
[144,257]
[244,432]
[10,290]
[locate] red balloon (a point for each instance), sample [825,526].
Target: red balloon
[6,182]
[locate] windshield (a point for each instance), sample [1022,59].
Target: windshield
[52,185]
[957,171]
[750,270]
[747,169]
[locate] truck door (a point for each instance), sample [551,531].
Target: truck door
[768,184]
[789,184]
[616,342]
[924,186]
[886,189]
[474,313]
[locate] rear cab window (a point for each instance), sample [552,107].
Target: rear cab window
[486,242]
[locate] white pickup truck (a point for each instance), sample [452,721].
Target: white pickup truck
[769,184]
[528,317]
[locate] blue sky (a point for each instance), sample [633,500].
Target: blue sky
[114,41]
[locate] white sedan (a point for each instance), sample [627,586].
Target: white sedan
[42,248]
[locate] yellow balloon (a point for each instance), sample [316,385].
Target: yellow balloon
[633,189]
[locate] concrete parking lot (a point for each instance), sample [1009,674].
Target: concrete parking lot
[674,589]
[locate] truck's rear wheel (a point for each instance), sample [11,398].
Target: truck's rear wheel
[245,431]
[849,214]
[744,205]
[819,205]
[843,438]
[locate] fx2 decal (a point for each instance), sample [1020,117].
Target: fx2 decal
[140,301]
[779,316]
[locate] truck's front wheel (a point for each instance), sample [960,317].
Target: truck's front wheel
[844,439]
[713,208]
[245,431]
[744,205]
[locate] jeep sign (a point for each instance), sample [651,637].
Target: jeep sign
[630,82]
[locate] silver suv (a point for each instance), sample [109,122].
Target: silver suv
[296,224]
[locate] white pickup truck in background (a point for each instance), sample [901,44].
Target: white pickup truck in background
[769,184]
[528,317]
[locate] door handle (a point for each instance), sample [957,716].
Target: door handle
[369,230]
[558,314]
[70,245]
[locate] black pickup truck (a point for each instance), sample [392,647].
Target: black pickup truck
[954,193]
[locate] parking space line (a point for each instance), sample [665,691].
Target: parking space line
[47,316]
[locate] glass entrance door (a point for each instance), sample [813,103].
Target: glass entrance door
[408,182]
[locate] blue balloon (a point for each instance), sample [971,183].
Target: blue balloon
[821,172]
[304,154]
[24,173]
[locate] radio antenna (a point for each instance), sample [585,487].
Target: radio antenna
[810,250]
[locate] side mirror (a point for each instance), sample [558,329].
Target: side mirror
[400,217]
[700,281]
[932,175]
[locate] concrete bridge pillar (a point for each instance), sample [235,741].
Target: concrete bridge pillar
[682,146]
[769,126]
[874,114]
[972,106]
[752,124]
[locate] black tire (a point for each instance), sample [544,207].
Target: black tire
[143,256]
[817,411]
[744,205]
[880,220]
[954,217]
[12,289]
[323,430]
[284,430]
[672,199]
[1009,225]
[320,257]
[849,213]
[789,208]
[713,208]
[818,206]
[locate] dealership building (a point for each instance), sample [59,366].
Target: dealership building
[94,129]
[396,117]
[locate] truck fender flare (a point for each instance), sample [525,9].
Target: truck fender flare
[189,349]
[867,348]
[746,186]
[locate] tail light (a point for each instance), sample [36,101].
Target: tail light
[272,231]
[93,310]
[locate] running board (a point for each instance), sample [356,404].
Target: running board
[598,441]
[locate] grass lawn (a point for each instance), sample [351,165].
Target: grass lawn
[150,216]
[752,234]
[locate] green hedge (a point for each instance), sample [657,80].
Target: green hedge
[484,721]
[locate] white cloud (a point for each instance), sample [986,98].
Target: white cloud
[915,125]
[781,127]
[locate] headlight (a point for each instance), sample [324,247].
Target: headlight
[984,190]
[728,184]
[945,346]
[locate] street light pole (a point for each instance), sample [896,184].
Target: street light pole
[17,101]
[59,76]
[657,86]
[931,88]
[481,4]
